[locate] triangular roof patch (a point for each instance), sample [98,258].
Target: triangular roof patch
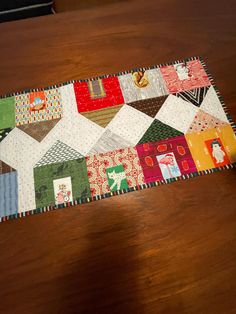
[149,106]
[159,131]
[194,96]
[203,121]
[59,152]
[109,141]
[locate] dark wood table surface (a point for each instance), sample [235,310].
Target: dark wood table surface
[169,249]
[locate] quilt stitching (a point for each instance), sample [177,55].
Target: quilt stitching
[90,139]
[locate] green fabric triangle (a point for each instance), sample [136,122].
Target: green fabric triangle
[158,131]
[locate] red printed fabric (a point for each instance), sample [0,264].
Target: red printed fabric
[113,95]
[195,78]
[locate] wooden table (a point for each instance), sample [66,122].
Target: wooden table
[170,249]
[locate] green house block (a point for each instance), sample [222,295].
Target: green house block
[44,176]
[116,178]
[7,112]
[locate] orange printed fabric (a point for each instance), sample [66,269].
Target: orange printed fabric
[212,148]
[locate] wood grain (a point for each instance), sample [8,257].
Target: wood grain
[169,249]
[72,5]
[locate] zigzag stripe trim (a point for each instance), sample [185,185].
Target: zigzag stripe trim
[195,96]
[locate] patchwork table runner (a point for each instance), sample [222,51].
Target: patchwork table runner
[90,139]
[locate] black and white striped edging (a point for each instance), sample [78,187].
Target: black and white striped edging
[110,194]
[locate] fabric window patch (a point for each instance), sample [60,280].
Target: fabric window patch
[168,165]
[184,76]
[120,168]
[62,190]
[110,94]
[217,152]
[116,178]
[96,89]
[142,85]
[165,159]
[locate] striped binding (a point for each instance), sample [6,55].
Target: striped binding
[138,187]
[110,194]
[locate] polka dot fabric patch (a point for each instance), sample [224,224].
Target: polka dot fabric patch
[87,140]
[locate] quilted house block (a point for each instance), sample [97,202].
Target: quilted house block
[86,140]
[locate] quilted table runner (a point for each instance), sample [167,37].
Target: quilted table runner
[86,140]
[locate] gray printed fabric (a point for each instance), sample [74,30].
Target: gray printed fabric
[109,141]
[155,88]
[59,152]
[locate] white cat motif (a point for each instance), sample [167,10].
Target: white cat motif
[117,177]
